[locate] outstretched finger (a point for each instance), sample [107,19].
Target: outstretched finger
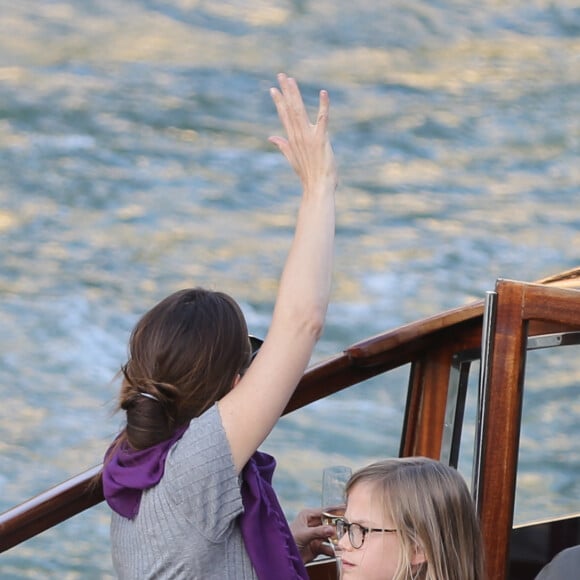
[294,99]
[279,103]
[281,143]
[323,107]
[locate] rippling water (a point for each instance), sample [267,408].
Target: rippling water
[134,161]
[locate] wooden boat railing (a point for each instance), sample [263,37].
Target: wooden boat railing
[357,363]
[431,347]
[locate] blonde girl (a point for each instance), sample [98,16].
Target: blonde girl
[410,519]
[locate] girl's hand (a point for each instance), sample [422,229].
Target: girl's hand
[310,535]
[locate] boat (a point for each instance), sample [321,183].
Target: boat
[499,331]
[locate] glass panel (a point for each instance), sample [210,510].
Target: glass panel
[466,452]
[548,483]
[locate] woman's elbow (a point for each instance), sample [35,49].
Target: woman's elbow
[313,322]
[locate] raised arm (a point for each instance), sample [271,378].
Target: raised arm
[251,409]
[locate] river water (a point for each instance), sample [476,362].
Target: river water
[134,161]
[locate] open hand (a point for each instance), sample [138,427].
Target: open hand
[307,147]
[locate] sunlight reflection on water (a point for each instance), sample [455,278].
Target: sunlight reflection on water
[134,161]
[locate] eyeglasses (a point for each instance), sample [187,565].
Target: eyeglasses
[356,532]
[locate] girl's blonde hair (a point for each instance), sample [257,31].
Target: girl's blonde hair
[430,506]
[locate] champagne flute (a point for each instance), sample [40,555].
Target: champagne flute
[334,479]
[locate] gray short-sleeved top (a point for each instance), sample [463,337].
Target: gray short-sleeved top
[187,526]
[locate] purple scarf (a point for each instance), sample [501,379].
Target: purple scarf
[128,472]
[266,533]
[267,536]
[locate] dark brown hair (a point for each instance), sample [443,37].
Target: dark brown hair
[184,355]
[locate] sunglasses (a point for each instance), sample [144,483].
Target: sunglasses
[255,344]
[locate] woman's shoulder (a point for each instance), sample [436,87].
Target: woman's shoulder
[200,478]
[203,442]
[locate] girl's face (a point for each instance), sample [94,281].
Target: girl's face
[378,557]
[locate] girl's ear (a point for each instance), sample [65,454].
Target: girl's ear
[418,557]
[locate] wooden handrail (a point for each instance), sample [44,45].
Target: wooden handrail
[51,507]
